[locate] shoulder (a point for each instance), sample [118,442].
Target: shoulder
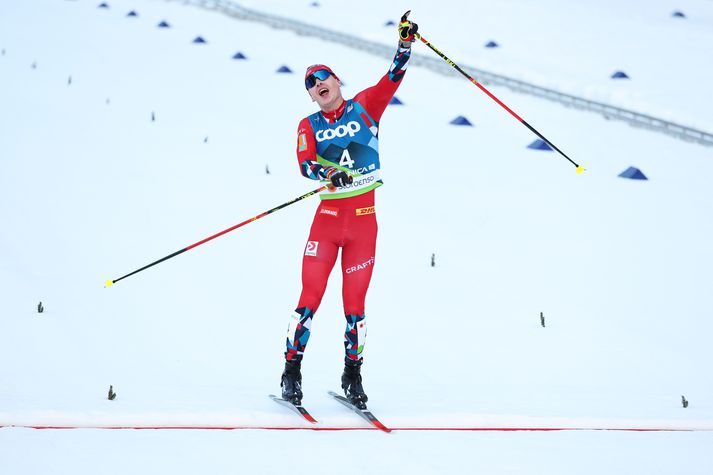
[361,97]
[305,125]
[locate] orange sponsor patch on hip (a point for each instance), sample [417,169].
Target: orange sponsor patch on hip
[363,211]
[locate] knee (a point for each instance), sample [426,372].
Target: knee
[354,309]
[310,300]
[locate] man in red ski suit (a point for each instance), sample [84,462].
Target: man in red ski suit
[339,145]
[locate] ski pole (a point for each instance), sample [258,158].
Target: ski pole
[580,169]
[111,282]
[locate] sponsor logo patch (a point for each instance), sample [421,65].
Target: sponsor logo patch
[364,265]
[330,211]
[350,128]
[311,249]
[302,141]
[363,211]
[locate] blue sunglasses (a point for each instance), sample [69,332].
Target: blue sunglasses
[320,74]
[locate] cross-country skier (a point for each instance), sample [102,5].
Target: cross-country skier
[339,145]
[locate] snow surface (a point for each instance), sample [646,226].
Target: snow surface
[92,189]
[572,47]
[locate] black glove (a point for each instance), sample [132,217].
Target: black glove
[407,30]
[340,178]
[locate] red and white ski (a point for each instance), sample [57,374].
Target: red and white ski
[364,413]
[298,409]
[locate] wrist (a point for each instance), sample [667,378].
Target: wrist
[328,171]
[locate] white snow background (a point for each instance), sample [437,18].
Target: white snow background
[92,188]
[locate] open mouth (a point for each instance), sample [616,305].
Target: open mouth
[323,91]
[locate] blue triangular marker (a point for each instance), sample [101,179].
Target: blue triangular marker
[164,24]
[132,13]
[633,173]
[239,55]
[103,5]
[284,69]
[491,44]
[460,120]
[390,23]
[619,75]
[314,4]
[199,40]
[678,14]
[395,101]
[539,144]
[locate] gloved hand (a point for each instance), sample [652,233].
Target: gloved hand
[407,30]
[339,178]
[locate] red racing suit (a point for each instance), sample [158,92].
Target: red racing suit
[345,139]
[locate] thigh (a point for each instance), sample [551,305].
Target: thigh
[317,262]
[322,246]
[358,258]
[319,256]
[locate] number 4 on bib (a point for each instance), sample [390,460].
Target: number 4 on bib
[346,160]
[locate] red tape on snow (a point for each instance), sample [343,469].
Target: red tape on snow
[326,428]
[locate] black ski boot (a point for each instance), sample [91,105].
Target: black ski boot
[351,383]
[291,382]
